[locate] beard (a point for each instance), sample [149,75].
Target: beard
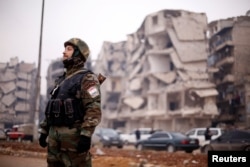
[73,62]
[68,62]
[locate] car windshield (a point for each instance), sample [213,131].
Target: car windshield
[109,132]
[192,132]
[177,135]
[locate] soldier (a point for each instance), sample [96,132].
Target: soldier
[73,111]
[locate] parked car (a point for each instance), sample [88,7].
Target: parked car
[233,140]
[2,134]
[130,138]
[107,137]
[20,132]
[198,133]
[169,141]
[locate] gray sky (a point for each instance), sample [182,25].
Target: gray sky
[94,21]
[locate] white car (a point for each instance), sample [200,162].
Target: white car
[198,133]
[129,138]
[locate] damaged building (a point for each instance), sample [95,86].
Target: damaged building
[158,78]
[112,63]
[228,61]
[17,85]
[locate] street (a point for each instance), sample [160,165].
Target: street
[14,154]
[14,161]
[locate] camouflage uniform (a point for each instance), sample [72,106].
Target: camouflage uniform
[63,140]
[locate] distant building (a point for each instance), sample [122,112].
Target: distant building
[17,93]
[229,46]
[158,77]
[112,62]
[248,13]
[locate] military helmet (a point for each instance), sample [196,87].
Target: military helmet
[80,44]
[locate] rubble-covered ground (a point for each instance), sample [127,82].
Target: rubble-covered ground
[113,157]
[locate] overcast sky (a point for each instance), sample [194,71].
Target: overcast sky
[94,21]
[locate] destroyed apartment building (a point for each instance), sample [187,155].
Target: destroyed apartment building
[112,63]
[17,85]
[228,62]
[158,78]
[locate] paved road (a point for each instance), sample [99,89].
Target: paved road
[13,161]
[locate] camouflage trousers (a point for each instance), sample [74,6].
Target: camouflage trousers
[62,142]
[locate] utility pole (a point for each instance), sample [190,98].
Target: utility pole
[38,80]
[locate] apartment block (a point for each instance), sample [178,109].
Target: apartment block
[158,77]
[228,61]
[17,95]
[112,62]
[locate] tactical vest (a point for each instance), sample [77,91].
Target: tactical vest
[65,106]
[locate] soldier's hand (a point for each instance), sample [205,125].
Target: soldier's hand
[83,144]
[42,140]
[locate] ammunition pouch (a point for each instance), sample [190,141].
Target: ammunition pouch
[64,112]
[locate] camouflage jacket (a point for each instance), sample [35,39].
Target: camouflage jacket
[91,98]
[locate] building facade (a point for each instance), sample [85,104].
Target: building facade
[158,77]
[17,93]
[229,46]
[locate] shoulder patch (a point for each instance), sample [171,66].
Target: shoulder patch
[89,84]
[93,91]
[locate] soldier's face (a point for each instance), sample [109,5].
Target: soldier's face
[68,52]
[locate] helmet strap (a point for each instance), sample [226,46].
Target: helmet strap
[76,52]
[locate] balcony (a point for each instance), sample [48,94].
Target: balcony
[226,117]
[110,115]
[218,45]
[225,61]
[226,79]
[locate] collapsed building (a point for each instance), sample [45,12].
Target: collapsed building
[158,78]
[112,63]
[174,73]
[228,61]
[17,95]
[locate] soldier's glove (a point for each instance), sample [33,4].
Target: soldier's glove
[42,140]
[83,144]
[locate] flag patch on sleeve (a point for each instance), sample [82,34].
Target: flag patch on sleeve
[93,91]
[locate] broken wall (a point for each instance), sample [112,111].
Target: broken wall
[17,95]
[172,63]
[111,63]
[166,71]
